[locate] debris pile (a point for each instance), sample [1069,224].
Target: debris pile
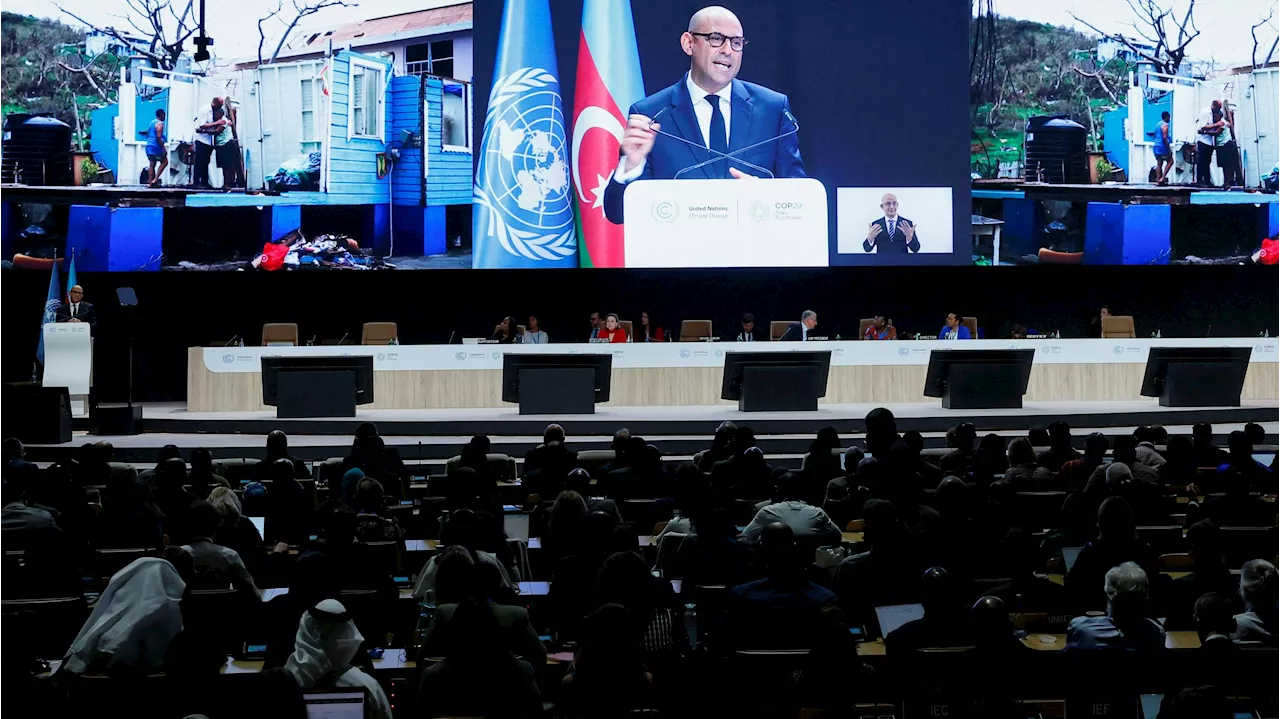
[298,173]
[295,251]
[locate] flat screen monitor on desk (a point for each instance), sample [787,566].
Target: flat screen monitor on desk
[561,383]
[317,386]
[979,379]
[1196,376]
[362,364]
[782,380]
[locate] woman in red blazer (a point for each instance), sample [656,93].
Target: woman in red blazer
[612,331]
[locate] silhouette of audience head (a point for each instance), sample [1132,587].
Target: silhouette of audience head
[1060,435]
[992,628]
[1096,446]
[1215,614]
[1258,586]
[1126,587]
[1125,450]
[1021,453]
[1204,543]
[1038,437]
[1115,521]
[553,433]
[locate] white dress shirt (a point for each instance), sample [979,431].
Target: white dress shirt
[890,226]
[1206,119]
[701,111]
[75,309]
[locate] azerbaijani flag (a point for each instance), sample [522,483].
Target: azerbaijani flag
[608,83]
[71,273]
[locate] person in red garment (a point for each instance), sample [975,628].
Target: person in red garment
[612,330]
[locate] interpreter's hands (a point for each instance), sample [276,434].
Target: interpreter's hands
[908,229]
[737,174]
[873,233]
[637,140]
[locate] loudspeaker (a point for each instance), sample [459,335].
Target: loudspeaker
[46,413]
[116,419]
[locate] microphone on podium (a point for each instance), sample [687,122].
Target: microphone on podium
[717,155]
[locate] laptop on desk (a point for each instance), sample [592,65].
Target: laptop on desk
[895,615]
[1069,556]
[516,526]
[335,704]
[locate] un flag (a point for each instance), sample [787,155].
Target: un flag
[522,206]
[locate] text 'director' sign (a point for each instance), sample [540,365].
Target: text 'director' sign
[726,223]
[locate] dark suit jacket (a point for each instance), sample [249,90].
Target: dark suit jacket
[513,623]
[86,314]
[794,333]
[756,114]
[757,335]
[897,244]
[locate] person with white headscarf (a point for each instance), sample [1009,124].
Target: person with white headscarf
[133,622]
[327,641]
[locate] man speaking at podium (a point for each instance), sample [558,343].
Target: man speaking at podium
[686,130]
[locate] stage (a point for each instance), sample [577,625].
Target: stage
[688,374]
[432,435]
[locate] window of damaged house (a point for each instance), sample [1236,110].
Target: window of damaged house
[429,58]
[308,94]
[366,101]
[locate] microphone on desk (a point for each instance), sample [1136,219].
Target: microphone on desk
[311,342]
[732,156]
[231,341]
[451,335]
[344,337]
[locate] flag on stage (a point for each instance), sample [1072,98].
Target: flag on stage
[608,83]
[522,214]
[51,304]
[71,273]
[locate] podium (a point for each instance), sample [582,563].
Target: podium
[68,361]
[726,223]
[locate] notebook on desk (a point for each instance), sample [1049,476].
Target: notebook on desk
[337,704]
[895,615]
[260,524]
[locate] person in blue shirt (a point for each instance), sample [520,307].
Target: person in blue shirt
[953,330]
[1163,150]
[157,150]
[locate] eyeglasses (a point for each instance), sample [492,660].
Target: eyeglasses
[715,39]
[888,204]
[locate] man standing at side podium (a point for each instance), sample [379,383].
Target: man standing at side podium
[893,233]
[77,310]
[709,108]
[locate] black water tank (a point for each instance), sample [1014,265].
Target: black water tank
[1056,151]
[37,150]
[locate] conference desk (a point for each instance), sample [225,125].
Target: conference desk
[229,379]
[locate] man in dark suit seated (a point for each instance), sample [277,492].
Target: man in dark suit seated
[891,234]
[944,623]
[959,461]
[1211,576]
[513,623]
[886,573]
[745,474]
[1021,559]
[799,331]
[781,611]
[1207,455]
[533,460]
[77,310]
[1125,626]
[751,333]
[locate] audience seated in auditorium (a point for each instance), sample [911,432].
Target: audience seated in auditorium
[1027,589]
[585,547]
[625,579]
[16,467]
[326,644]
[1124,451]
[990,461]
[132,623]
[54,490]
[809,525]
[719,449]
[479,675]
[552,451]
[1023,472]
[20,516]
[166,453]
[881,431]
[277,449]
[608,676]
[843,501]
[372,523]
[1209,576]
[579,480]
[1215,624]
[634,473]
[130,517]
[992,631]
[289,508]
[1146,499]
[236,531]
[886,573]
[1237,506]
[959,461]
[1126,625]
[1179,468]
[619,446]
[717,557]
[1207,454]
[955,520]
[781,611]
[49,568]
[1240,463]
[1038,437]
[745,474]
[929,473]
[357,566]
[201,477]
[564,524]
[466,529]
[1060,450]
[1146,450]
[216,566]
[314,578]
[173,499]
[944,623]
[820,465]
[1074,475]
[1117,542]
[1258,622]
[463,582]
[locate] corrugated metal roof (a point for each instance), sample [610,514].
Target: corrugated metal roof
[405,23]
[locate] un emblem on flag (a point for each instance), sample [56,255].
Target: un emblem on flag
[522,182]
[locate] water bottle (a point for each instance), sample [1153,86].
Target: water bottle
[1267,333]
[1158,335]
[242,342]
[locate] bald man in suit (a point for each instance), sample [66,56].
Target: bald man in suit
[893,233]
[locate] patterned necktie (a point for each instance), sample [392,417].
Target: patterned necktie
[718,139]
[893,225]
